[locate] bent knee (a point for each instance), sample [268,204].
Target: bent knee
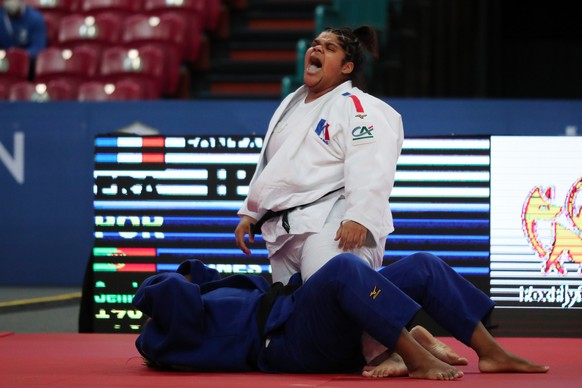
[345,263]
[425,259]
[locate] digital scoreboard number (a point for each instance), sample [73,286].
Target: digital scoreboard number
[504,212]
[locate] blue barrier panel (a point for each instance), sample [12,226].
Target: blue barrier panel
[46,161]
[46,167]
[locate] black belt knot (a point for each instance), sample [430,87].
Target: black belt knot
[256,228]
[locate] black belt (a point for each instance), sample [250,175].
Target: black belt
[268,300]
[256,228]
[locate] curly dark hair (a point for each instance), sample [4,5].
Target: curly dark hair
[355,43]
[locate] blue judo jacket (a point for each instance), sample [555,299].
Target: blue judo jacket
[207,323]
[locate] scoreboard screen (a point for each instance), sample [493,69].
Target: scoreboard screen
[160,200]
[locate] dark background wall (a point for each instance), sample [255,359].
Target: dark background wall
[483,48]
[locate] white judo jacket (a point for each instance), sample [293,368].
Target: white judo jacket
[353,142]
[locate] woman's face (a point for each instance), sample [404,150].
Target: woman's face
[324,65]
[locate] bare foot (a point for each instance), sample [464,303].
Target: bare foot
[435,369]
[494,358]
[506,362]
[437,348]
[421,363]
[392,366]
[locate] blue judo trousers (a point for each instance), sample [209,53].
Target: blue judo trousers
[210,324]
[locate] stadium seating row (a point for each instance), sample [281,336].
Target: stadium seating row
[144,66]
[83,40]
[167,32]
[106,41]
[206,11]
[181,37]
[123,90]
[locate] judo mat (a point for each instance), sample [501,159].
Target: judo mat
[111,360]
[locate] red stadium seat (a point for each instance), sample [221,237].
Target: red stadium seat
[166,32]
[52,28]
[213,10]
[144,66]
[55,8]
[99,32]
[167,29]
[14,66]
[195,8]
[41,92]
[53,11]
[193,12]
[123,90]
[73,66]
[121,8]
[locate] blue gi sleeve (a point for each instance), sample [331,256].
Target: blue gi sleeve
[199,273]
[165,289]
[175,308]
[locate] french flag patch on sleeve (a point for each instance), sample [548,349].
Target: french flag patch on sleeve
[357,104]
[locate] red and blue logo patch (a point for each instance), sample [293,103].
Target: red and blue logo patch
[322,130]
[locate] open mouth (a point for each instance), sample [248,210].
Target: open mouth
[314,64]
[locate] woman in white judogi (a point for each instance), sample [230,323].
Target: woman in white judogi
[329,158]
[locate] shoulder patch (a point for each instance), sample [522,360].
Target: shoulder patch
[363,134]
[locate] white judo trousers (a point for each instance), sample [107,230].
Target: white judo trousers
[306,253]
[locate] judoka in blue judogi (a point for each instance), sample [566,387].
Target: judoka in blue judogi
[201,322]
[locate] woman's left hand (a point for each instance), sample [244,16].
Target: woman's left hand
[351,235]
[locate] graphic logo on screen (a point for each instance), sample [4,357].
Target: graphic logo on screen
[554,229]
